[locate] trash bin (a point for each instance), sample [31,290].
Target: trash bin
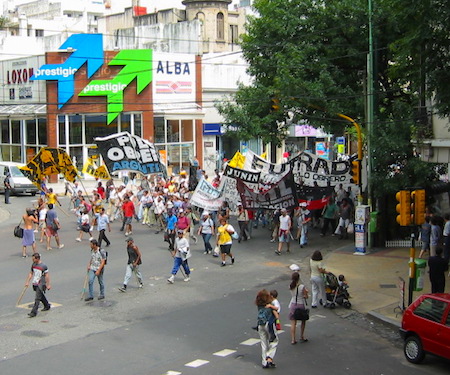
[373,223]
[420,265]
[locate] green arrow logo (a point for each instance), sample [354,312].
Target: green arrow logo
[136,64]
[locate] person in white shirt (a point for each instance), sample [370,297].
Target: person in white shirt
[180,254]
[284,232]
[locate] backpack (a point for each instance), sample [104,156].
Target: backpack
[103,251]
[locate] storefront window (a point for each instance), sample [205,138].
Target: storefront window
[15,130]
[76,153]
[173,159]
[5,132]
[187,131]
[159,130]
[173,131]
[137,124]
[42,131]
[96,127]
[31,132]
[15,154]
[125,123]
[187,154]
[62,130]
[75,130]
[6,153]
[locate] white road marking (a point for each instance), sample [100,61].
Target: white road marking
[197,363]
[250,342]
[224,352]
[173,373]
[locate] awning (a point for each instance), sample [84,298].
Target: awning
[23,110]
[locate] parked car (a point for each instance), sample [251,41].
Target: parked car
[426,327]
[19,183]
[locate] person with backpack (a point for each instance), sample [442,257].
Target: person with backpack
[134,260]
[95,269]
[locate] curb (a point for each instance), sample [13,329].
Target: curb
[384,319]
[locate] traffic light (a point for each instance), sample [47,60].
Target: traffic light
[418,206]
[403,207]
[356,172]
[275,104]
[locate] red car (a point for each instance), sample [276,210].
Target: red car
[426,327]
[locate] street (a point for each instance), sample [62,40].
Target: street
[199,327]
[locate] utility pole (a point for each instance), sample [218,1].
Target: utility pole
[370,113]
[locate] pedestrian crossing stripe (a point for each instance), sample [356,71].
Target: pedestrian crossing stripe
[29,305]
[250,342]
[224,352]
[197,363]
[172,373]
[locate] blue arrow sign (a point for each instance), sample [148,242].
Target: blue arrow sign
[88,48]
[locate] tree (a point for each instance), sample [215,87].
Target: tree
[311,55]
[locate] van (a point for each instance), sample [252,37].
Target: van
[19,183]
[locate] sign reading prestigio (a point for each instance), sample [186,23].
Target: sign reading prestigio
[87,48]
[136,64]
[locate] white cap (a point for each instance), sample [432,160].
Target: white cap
[180,210]
[294,267]
[204,213]
[303,204]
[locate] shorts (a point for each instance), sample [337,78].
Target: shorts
[127,220]
[284,237]
[425,246]
[225,249]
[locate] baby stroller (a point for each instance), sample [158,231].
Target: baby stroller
[336,291]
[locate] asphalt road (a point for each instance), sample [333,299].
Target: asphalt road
[200,327]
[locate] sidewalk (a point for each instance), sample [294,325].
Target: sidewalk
[374,280]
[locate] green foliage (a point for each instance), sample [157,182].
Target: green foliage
[312,56]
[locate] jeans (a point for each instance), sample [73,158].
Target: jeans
[177,262]
[40,296]
[130,270]
[206,239]
[92,276]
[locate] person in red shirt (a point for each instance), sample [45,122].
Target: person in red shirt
[101,190]
[183,223]
[128,213]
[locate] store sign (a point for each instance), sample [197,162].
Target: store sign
[137,64]
[87,48]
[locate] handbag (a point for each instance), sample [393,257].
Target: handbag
[55,226]
[301,313]
[18,230]
[350,228]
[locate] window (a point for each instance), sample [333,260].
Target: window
[42,131]
[95,126]
[173,131]
[159,130]
[431,309]
[39,32]
[31,132]
[220,24]
[5,132]
[234,36]
[15,131]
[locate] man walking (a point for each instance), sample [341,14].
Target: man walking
[180,255]
[52,226]
[95,269]
[128,213]
[102,225]
[284,231]
[40,279]
[438,266]
[7,184]
[134,260]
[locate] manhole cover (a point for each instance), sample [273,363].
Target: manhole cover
[9,327]
[34,333]
[388,286]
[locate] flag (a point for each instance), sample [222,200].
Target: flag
[237,161]
[49,161]
[91,168]
[126,152]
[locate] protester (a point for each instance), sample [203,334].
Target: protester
[128,213]
[95,269]
[102,225]
[224,240]
[243,220]
[284,231]
[317,282]
[438,267]
[206,230]
[134,260]
[85,225]
[52,226]
[7,185]
[29,219]
[40,278]
[299,294]
[180,255]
